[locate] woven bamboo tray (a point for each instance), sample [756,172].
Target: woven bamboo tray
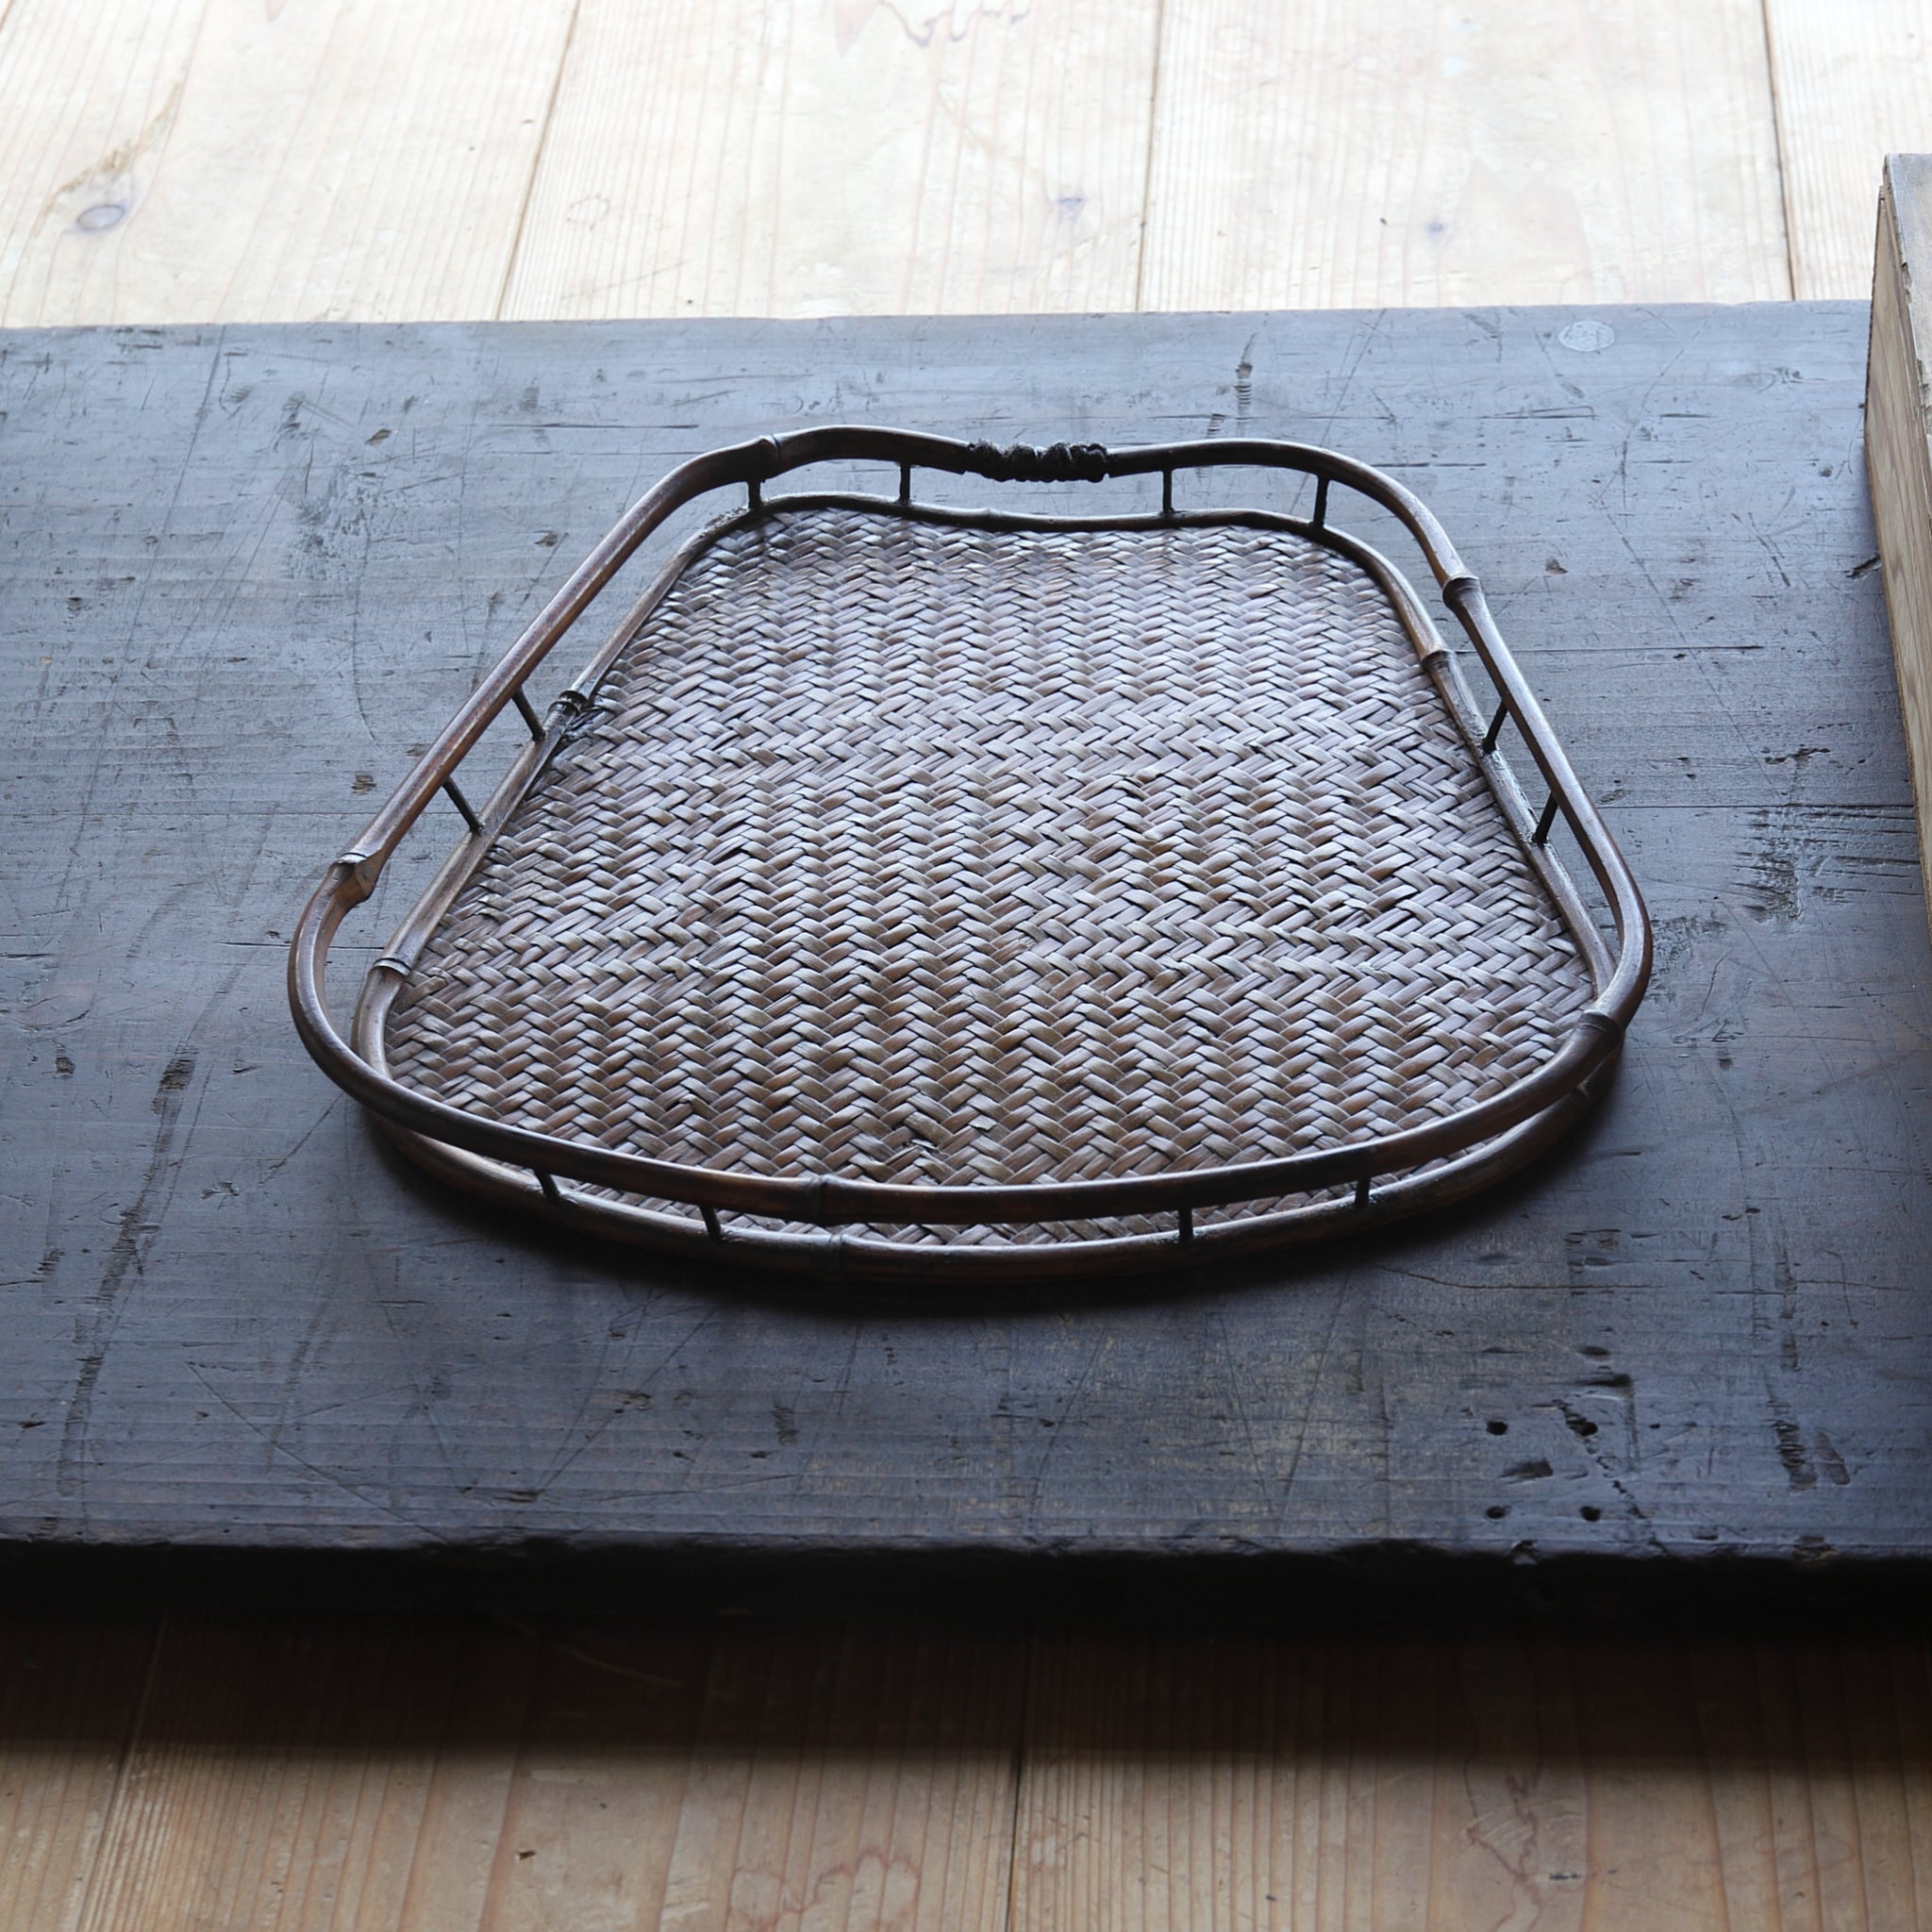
[905,889]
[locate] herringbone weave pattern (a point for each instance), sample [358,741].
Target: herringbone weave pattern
[919,853]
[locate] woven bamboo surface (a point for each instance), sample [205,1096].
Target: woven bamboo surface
[929,853]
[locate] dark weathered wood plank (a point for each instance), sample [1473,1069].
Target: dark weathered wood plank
[247,569]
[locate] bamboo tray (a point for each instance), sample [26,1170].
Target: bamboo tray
[904,889]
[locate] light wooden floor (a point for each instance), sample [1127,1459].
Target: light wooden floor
[185,160]
[450,1779]
[188,160]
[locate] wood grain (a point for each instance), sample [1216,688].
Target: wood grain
[1371,152]
[1853,82]
[1898,451]
[826,157]
[1602,1782]
[851,1776]
[763,1778]
[382,1776]
[196,158]
[88,96]
[71,1697]
[315,1774]
[408,1778]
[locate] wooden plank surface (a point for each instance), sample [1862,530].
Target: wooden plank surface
[384,1777]
[1688,1339]
[1853,83]
[428,1777]
[843,157]
[329,1774]
[1607,1784]
[1898,451]
[72,1699]
[199,159]
[205,160]
[1361,152]
[275,160]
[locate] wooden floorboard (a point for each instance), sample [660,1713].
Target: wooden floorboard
[407,1777]
[1602,1782]
[191,161]
[70,1698]
[328,1777]
[310,1775]
[1372,153]
[1853,83]
[845,156]
[275,160]
[209,159]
